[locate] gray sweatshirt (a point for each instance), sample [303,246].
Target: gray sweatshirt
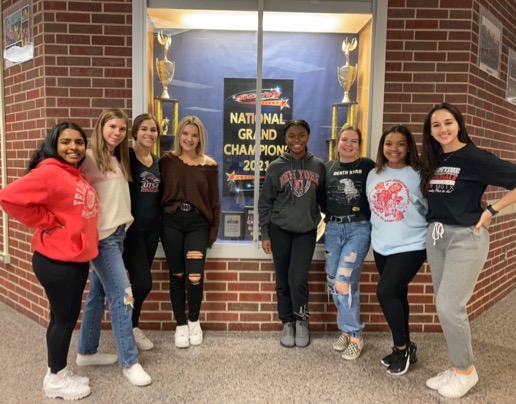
[291,194]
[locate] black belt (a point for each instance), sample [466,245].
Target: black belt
[346,219]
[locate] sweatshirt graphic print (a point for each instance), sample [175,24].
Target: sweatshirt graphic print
[85,195]
[443,181]
[299,181]
[149,182]
[390,199]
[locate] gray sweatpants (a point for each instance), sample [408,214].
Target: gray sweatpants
[456,256]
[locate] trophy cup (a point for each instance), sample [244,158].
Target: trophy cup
[165,67]
[347,74]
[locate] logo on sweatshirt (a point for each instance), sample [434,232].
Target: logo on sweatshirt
[85,195]
[299,181]
[389,200]
[443,181]
[149,182]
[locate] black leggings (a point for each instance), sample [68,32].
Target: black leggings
[64,284]
[185,232]
[292,254]
[139,251]
[396,272]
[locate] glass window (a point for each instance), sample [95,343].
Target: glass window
[228,62]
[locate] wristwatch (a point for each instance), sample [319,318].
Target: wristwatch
[492,210]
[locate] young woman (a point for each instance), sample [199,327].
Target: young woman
[107,167]
[347,236]
[289,213]
[455,175]
[191,205]
[142,237]
[398,236]
[55,199]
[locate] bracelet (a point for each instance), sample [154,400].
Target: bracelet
[492,210]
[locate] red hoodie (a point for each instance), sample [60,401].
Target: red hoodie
[56,199]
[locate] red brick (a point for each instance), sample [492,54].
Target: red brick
[87,67]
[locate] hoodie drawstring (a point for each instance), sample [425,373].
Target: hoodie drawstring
[437,231]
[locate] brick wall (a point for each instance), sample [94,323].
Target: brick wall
[82,64]
[432,54]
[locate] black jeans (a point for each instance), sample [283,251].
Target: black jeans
[139,251]
[64,284]
[396,272]
[184,232]
[292,254]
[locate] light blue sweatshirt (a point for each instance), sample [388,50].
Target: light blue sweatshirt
[398,211]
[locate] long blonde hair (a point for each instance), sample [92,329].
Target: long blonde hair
[190,120]
[99,147]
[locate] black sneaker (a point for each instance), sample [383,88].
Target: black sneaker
[412,352]
[386,361]
[400,362]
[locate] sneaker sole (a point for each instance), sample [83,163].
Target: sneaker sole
[144,347]
[444,394]
[137,383]
[68,398]
[402,372]
[387,364]
[182,346]
[302,344]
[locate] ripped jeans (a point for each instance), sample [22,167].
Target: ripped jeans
[109,277]
[346,246]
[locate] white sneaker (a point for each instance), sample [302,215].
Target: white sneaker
[458,385]
[440,380]
[96,359]
[137,376]
[80,379]
[142,342]
[195,332]
[182,336]
[62,385]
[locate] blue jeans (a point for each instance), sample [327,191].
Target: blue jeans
[346,246]
[109,278]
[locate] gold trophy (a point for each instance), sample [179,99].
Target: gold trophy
[165,67]
[347,74]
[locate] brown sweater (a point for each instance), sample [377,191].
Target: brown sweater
[196,185]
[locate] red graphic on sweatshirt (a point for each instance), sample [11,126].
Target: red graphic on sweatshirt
[389,200]
[85,195]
